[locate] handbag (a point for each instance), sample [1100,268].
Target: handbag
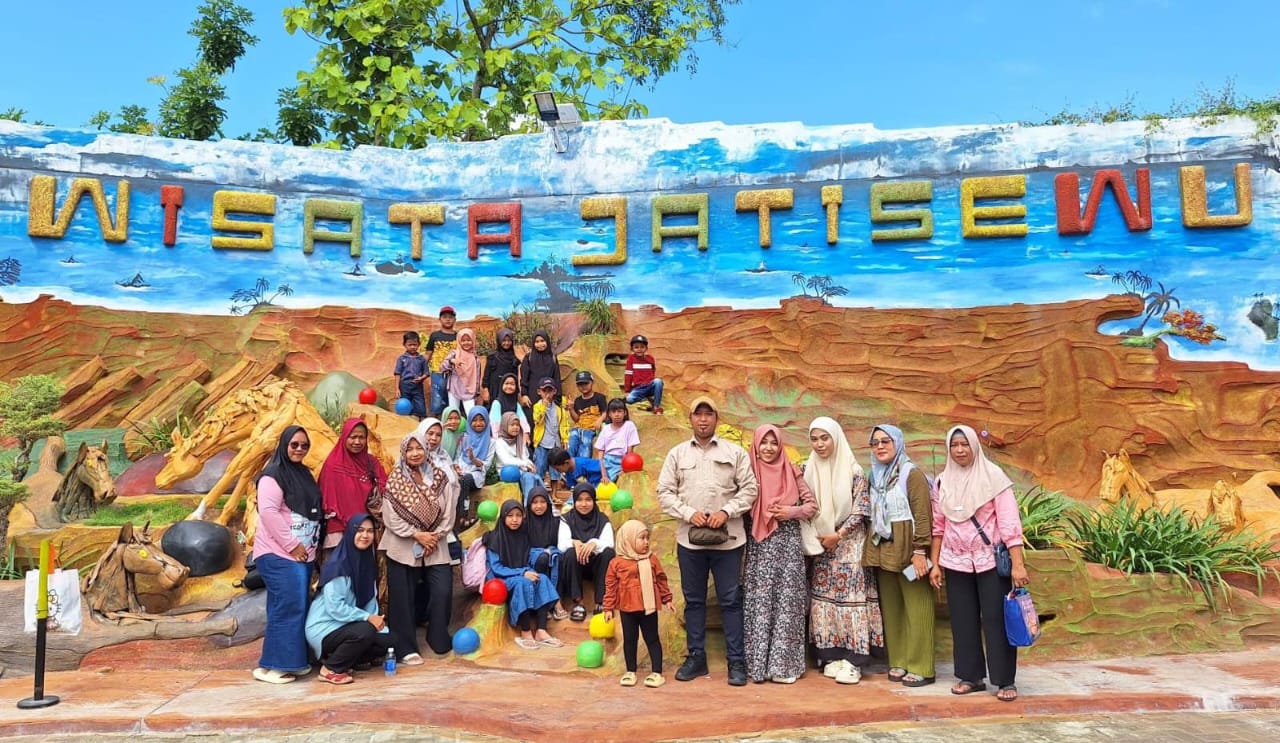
[1004,563]
[64,601]
[705,536]
[1021,622]
[373,501]
[809,542]
[475,565]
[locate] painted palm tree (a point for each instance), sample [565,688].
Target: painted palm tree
[1158,302]
[245,301]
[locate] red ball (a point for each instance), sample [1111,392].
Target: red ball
[494,592]
[632,462]
[368,396]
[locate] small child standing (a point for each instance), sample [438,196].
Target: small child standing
[617,438]
[640,380]
[439,344]
[411,370]
[587,412]
[634,587]
[550,426]
[462,367]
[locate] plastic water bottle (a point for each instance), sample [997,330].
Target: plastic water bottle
[390,664]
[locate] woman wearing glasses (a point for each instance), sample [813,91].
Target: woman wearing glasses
[284,548]
[897,543]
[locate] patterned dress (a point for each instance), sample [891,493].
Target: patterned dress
[844,607]
[774,603]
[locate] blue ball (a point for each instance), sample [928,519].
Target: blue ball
[403,406]
[509,473]
[466,641]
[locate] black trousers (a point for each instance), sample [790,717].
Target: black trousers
[418,594]
[634,623]
[574,572]
[467,488]
[976,602]
[534,619]
[353,643]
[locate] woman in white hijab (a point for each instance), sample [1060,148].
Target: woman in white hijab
[974,495]
[844,611]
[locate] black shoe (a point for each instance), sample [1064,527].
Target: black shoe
[737,673]
[695,666]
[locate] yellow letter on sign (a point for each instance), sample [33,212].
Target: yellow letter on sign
[832,198]
[694,203]
[415,215]
[762,201]
[1195,201]
[40,208]
[243,202]
[603,207]
[992,187]
[339,211]
[902,193]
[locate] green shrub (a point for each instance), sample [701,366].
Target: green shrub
[1154,540]
[1044,518]
[333,412]
[597,316]
[526,320]
[157,435]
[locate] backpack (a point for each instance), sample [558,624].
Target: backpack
[475,565]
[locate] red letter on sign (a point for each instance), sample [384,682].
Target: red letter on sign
[478,214]
[1066,189]
[171,200]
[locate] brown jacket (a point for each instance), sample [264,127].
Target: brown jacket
[622,585]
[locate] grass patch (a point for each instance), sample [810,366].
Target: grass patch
[1153,540]
[158,512]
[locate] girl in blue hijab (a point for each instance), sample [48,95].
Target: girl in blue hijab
[475,454]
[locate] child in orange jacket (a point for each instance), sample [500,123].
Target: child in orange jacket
[634,587]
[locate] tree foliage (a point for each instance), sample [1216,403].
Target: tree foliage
[1207,106]
[26,414]
[401,73]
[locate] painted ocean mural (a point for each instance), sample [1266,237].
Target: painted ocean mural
[1228,275]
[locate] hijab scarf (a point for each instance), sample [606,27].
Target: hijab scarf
[508,403]
[511,545]
[417,504]
[466,364]
[346,479]
[502,362]
[504,432]
[777,481]
[479,442]
[831,479]
[450,436]
[962,490]
[884,480]
[544,530]
[591,526]
[539,364]
[628,533]
[437,458]
[349,561]
[301,493]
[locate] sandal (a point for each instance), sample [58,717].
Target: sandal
[272,676]
[897,674]
[968,687]
[599,609]
[1007,693]
[413,659]
[337,679]
[579,613]
[915,680]
[552,642]
[628,679]
[654,680]
[559,614]
[528,643]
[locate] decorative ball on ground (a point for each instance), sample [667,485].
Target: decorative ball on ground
[368,396]
[621,500]
[509,473]
[590,654]
[601,628]
[466,641]
[487,511]
[203,546]
[606,490]
[403,406]
[494,592]
[632,462]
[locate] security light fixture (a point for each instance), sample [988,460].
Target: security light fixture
[547,109]
[555,116]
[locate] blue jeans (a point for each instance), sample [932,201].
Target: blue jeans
[439,395]
[725,566]
[284,646]
[580,441]
[528,481]
[417,398]
[540,461]
[643,391]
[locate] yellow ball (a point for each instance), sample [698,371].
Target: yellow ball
[606,490]
[601,629]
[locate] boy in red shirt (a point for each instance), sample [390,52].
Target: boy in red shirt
[640,380]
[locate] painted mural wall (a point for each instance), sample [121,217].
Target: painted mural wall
[650,212]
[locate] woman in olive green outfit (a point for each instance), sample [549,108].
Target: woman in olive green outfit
[901,521]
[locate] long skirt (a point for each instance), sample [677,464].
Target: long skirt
[774,604]
[844,607]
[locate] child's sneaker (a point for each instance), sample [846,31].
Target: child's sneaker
[657,410]
[654,680]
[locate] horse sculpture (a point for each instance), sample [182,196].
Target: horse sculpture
[87,484]
[1121,480]
[111,590]
[1225,507]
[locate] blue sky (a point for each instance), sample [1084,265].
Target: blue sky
[896,65]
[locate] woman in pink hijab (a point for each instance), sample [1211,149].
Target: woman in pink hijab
[974,498]
[775,595]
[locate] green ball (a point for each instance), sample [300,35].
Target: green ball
[620,501]
[590,654]
[487,511]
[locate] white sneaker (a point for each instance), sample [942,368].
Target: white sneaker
[851,674]
[783,679]
[833,669]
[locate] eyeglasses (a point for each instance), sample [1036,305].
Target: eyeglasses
[299,446]
[881,442]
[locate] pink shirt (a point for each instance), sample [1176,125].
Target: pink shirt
[962,548]
[617,441]
[279,529]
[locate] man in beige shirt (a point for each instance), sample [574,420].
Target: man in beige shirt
[708,482]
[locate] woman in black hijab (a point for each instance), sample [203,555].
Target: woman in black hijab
[530,594]
[586,539]
[499,364]
[540,363]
